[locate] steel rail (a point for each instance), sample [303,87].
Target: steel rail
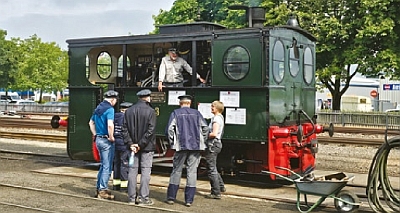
[44,123]
[34,136]
[63,138]
[80,197]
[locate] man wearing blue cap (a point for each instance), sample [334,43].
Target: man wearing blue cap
[122,152]
[101,125]
[139,133]
[170,73]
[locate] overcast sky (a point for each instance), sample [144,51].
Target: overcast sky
[59,20]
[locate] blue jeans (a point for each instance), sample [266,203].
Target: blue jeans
[106,151]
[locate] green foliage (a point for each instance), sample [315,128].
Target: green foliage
[353,32]
[8,61]
[42,66]
[31,64]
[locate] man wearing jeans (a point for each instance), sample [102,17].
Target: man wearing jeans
[187,132]
[101,125]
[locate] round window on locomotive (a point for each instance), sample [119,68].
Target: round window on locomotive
[308,66]
[236,62]
[278,62]
[104,65]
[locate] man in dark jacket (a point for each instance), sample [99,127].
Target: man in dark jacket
[139,133]
[187,132]
[122,151]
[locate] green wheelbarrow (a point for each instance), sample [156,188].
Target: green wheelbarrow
[329,186]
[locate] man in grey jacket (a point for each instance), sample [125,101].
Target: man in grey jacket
[187,132]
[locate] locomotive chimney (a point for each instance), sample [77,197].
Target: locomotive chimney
[254,15]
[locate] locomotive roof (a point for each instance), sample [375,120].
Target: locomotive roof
[185,36]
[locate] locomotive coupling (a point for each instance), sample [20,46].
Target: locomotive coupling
[321,129]
[56,122]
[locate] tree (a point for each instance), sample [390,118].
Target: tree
[217,11]
[8,61]
[358,32]
[42,66]
[349,33]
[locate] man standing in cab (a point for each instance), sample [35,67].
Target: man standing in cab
[170,73]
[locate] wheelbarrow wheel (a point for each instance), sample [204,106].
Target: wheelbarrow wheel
[348,197]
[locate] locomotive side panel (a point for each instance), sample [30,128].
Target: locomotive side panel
[84,98]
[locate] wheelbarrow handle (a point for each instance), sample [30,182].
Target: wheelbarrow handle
[281,176]
[286,169]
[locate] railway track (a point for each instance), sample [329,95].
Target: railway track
[34,136]
[63,139]
[44,124]
[27,123]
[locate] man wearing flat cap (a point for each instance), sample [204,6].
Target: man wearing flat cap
[121,156]
[139,134]
[170,73]
[187,133]
[101,125]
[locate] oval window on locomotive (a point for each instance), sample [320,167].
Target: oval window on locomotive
[308,66]
[278,61]
[104,65]
[236,62]
[294,60]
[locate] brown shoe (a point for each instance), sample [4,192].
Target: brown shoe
[97,192]
[103,194]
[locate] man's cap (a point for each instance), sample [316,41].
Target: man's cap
[125,104]
[144,93]
[172,49]
[111,94]
[185,98]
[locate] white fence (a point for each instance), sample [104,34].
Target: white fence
[34,108]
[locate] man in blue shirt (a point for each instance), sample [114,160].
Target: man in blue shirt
[102,127]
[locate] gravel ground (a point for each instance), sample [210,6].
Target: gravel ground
[20,173]
[353,159]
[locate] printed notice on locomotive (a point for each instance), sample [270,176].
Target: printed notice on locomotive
[204,109]
[157,97]
[235,116]
[173,97]
[229,98]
